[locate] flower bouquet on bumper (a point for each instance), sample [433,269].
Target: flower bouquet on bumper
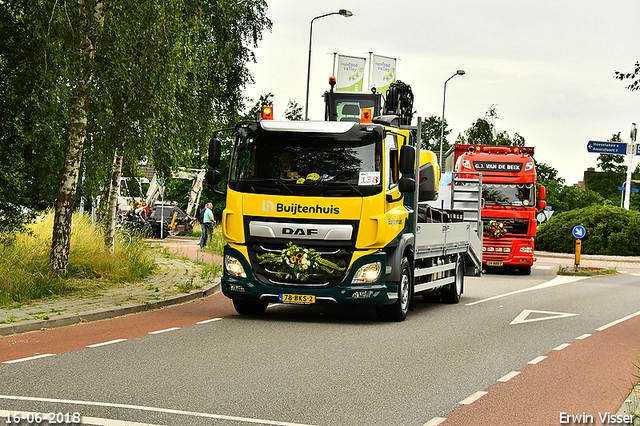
[495,229]
[298,263]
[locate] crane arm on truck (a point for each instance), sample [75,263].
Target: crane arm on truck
[195,192]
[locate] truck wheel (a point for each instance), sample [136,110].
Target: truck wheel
[524,270]
[398,310]
[453,293]
[249,307]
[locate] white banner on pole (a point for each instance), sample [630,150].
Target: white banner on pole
[350,73]
[383,73]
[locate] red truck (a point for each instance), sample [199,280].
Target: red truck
[510,200]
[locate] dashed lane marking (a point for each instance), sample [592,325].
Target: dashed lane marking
[96,345]
[584,336]
[435,421]
[473,398]
[209,320]
[28,358]
[562,346]
[611,324]
[508,376]
[537,360]
[165,330]
[152,409]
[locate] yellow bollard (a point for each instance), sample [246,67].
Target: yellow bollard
[578,246]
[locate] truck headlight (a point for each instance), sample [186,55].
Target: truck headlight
[528,166]
[368,273]
[466,163]
[526,249]
[234,267]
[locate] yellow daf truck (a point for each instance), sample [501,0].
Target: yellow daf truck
[336,212]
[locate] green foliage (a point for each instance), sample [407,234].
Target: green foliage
[610,231]
[293,111]
[431,131]
[484,132]
[633,76]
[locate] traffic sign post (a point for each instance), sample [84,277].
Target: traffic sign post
[578,232]
[607,147]
[619,148]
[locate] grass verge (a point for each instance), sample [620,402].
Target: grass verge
[24,263]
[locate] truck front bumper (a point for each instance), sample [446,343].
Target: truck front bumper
[249,287]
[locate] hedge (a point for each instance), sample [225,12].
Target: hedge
[610,230]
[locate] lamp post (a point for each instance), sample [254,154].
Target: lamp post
[344,12]
[444,97]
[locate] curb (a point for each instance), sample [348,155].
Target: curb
[101,314]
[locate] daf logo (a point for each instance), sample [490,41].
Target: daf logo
[299,231]
[267,206]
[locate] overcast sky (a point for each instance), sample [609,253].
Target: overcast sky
[548,66]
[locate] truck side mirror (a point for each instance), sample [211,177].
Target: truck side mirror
[542,204]
[542,192]
[407,160]
[212,177]
[214,153]
[406,185]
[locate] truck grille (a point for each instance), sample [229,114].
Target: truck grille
[496,243]
[513,226]
[339,256]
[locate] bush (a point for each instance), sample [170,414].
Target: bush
[610,230]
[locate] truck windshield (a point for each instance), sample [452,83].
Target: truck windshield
[289,164]
[508,194]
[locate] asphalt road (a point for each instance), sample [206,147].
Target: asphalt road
[199,364]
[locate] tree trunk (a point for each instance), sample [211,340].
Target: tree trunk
[61,240]
[113,200]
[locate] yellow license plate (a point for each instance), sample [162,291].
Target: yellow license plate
[297,298]
[494,263]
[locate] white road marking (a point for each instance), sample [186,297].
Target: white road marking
[562,346]
[584,336]
[542,267]
[522,318]
[152,409]
[611,324]
[473,398]
[435,421]
[209,320]
[508,376]
[85,420]
[106,343]
[27,359]
[559,280]
[537,360]
[165,330]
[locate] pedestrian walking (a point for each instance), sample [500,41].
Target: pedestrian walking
[207,224]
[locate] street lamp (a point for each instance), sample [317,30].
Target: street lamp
[344,12]
[444,97]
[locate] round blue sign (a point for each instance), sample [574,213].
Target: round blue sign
[579,231]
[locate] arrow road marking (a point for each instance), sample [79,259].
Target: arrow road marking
[523,317]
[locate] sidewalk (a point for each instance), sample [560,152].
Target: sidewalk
[168,286]
[600,261]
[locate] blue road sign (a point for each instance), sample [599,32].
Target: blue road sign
[579,231]
[607,147]
[638,149]
[622,188]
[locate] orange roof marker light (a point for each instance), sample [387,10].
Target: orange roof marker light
[267,113]
[365,116]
